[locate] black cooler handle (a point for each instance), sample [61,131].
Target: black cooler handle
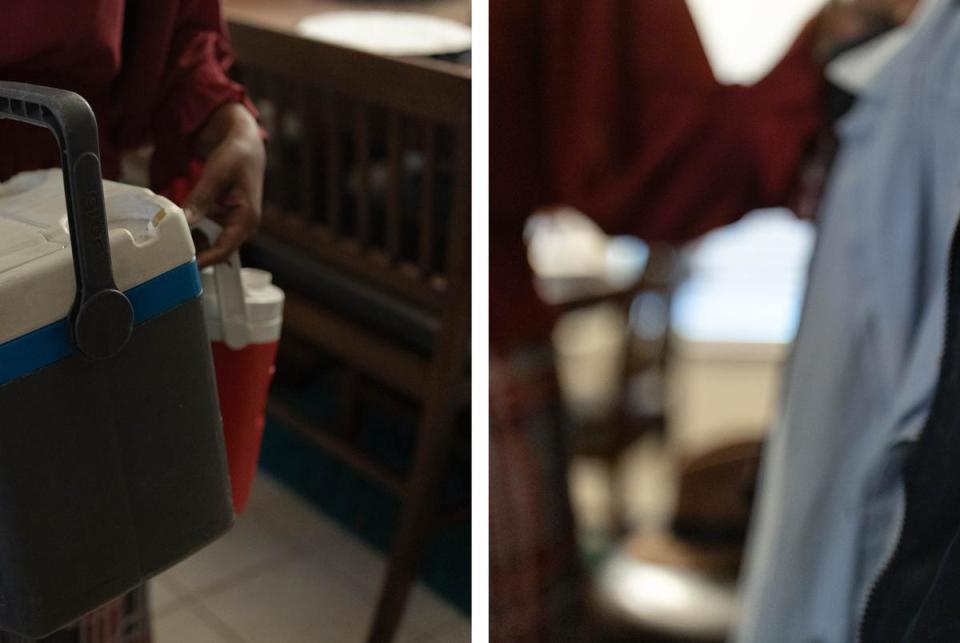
[102,317]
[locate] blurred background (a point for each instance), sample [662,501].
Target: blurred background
[666,351]
[670,380]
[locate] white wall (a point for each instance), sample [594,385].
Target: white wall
[745,38]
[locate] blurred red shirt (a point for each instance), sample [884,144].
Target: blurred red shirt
[611,106]
[153,71]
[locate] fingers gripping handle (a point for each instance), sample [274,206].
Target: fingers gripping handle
[102,318]
[228,279]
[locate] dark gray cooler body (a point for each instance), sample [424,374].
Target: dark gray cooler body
[112,464]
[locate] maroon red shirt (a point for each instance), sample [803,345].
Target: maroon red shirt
[153,71]
[611,106]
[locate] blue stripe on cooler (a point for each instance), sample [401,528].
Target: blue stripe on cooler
[51,343]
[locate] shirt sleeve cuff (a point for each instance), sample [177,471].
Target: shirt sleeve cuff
[201,86]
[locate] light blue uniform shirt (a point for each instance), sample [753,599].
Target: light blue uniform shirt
[867,352]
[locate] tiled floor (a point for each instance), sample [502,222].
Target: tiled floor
[287,574]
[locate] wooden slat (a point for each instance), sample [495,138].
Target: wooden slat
[368,306]
[379,358]
[421,88]
[457,259]
[337,447]
[308,152]
[331,139]
[427,213]
[256,88]
[395,190]
[319,243]
[361,147]
[280,158]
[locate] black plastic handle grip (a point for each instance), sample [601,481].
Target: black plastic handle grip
[102,317]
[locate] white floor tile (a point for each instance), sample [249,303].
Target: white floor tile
[287,574]
[359,563]
[186,625]
[364,567]
[245,549]
[459,633]
[283,512]
[427,613]
[163,596]
[299,600]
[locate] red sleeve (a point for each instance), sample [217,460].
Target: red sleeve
[176,59]
[651,144]
[611,106]
[195,81]
[517,177]
[194,84]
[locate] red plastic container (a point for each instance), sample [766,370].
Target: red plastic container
[244,313]
[243,381]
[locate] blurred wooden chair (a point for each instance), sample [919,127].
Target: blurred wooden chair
[680,584]
[638,406]
[366,225]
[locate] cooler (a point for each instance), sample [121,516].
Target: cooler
[112,464]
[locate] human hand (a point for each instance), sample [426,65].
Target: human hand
[230,188]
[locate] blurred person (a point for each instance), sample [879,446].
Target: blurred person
[611,107]
[154,73]
[854,525]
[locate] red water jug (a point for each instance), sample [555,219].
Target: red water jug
[244,313]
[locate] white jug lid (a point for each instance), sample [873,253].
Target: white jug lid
[241,305]
[263,303]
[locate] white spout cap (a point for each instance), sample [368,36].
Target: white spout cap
[241,305]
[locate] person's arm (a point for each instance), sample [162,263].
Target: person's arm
[230,187]
[176,71]
[213,113]
[645,141]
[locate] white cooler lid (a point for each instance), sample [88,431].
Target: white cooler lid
[148,237]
